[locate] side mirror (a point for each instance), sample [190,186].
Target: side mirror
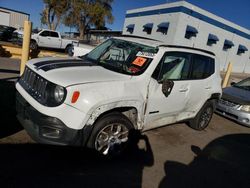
[233,83]
[167,86]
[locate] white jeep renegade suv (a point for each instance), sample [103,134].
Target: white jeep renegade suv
[123,84]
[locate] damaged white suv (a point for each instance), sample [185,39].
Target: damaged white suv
[123,84]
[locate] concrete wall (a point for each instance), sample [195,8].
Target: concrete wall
[181,14]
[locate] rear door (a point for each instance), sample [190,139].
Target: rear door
[55,40]
[162,109]
[201,81]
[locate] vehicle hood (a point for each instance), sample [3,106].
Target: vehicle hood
[72,71]
[236,95]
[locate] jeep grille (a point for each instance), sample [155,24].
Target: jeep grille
[34,84]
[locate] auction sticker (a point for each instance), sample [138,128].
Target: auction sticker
[145,54]
[139,61]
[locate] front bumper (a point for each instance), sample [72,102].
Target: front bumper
[233,113]
[43,128]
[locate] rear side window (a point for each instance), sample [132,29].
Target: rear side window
[202,67]
[54,34]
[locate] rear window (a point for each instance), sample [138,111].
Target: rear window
[202,67]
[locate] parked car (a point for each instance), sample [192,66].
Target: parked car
[48,39]
[123,84]
[6,32]
[235,102]
[80,50]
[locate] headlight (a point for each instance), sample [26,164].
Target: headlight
[20,36]
[59,94]
[245,108]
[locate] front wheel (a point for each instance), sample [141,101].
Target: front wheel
[33,45]
[204,116]
[110,134]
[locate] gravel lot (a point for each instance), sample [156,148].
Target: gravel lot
[171,156]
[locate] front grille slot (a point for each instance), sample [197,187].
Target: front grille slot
[228,103]
[34,84]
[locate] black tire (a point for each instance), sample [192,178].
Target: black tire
[114,147]
[204,116]
[33,45]
[69,50]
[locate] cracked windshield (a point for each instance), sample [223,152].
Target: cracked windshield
[123,56]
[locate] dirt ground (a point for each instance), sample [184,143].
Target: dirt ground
[171,156]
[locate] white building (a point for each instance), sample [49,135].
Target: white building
[182,23]
[12,18]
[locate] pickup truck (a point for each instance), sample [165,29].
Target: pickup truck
[80,50]
[48,39]
[124,84]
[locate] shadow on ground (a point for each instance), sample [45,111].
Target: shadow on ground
[34,165]
[224,162]
[9,124]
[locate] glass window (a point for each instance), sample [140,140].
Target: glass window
[174,66]
[244,84]
[202,67]
[54,34]
[45,34]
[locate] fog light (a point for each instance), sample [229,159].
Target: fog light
[245,120]
[53,133]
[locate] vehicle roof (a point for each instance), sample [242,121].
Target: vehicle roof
[141,40]
[156,43]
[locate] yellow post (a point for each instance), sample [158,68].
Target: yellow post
[26,45]
[228,73]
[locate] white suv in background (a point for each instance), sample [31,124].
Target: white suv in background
[125,83]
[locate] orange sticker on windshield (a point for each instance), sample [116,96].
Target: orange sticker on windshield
[139,61]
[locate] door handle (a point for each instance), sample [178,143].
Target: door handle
[183,89]
[208,87]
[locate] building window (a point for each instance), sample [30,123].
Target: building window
[163,28]
[228,44]
[241,49]
[190,32]
[212,39]
[130,28]
[148,28]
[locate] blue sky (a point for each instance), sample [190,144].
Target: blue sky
[237,11]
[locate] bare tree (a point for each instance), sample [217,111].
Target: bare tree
[83,14]
[53,12]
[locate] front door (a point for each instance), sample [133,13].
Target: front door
[164,109]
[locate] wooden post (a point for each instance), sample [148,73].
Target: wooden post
[26,45]
[228,73]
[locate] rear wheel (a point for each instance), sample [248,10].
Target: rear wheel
[110,134]
[69,50]
[204,116]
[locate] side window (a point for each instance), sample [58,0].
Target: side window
[173,66]
[45,34]
[202,67]
[54,34]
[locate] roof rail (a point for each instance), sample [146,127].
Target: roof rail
[187,47]
[140,37]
